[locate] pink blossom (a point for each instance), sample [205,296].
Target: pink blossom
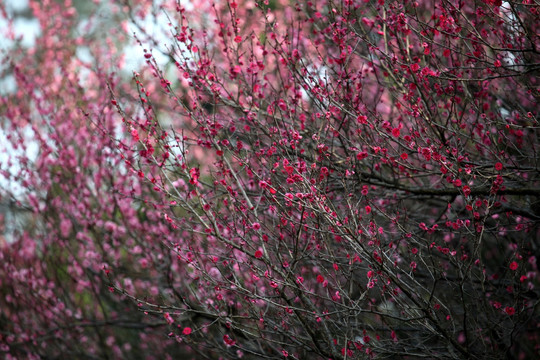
[168,318]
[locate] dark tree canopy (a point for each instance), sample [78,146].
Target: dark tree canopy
[308,180]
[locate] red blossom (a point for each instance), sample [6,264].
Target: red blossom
[509,310]
[228,340]
[361,155]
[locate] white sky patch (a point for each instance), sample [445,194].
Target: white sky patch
[510,19]
[8,161]
[157,29]
[17,5]
[27,29]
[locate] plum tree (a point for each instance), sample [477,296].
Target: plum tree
[331,179]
